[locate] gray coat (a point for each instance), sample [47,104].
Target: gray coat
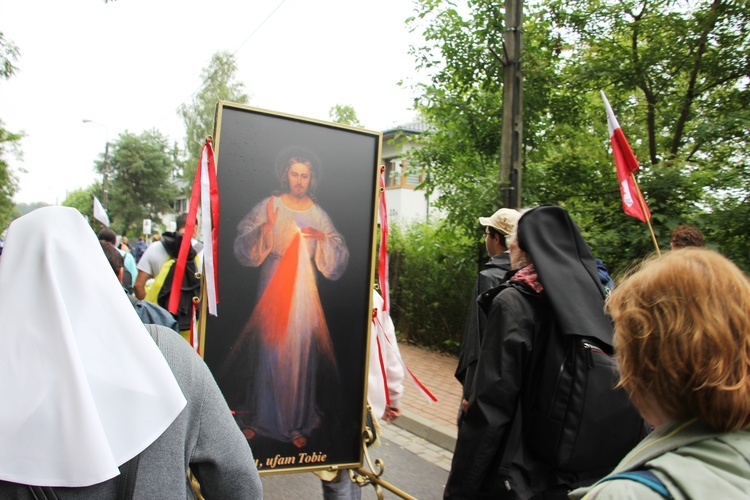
[690,459]
[204,439]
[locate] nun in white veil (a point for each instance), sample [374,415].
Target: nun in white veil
[83,386]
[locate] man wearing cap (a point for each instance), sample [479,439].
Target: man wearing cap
[495,272]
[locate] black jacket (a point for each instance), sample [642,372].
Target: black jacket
[491,435]
[495,272]
[491,459]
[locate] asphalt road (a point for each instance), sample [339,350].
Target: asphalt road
[411,465]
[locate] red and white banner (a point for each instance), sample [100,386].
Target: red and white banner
[626,164]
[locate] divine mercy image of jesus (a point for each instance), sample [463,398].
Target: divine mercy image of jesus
[295,244]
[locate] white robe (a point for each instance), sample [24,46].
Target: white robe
[288,316]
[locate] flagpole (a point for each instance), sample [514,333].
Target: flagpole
[643,208]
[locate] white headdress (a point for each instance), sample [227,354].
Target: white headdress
[83,386]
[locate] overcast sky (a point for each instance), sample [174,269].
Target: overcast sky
[129,64]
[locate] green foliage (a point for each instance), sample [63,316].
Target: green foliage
[8,180]
[140,179]
[24,208]
[83,201]
[8,140]
[218,83]
[8,53]
[344,114]
[430,283]
[676,74]
[463,103]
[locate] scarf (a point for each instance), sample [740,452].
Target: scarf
[529,276]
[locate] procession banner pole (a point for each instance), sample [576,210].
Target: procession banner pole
[643,208]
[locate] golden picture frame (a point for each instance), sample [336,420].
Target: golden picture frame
[296,248]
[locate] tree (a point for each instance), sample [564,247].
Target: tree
[24,208]
[8,54]
[83,200]
[676,74]
[8,140]
[141,169]
[8,181]
[218,83]
[463,101]
[344,114]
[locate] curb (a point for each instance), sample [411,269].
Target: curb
[436,434]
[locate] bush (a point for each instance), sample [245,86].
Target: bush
[432,273]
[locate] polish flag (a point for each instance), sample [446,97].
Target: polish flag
[633,202]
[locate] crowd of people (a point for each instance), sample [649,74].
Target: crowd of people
[101,395]
[104,399]
[672,338]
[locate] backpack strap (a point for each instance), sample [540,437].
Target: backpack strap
[125,483]
[43,493]
[645,477]
[153,330]
[152,295]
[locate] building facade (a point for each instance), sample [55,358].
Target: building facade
[405,202]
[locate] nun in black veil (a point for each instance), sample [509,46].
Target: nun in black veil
[555,288]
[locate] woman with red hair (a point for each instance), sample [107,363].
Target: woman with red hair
[682,334]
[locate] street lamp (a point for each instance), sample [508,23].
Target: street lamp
[105,170]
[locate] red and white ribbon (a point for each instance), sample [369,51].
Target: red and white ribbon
[383,251]
[210,212]
[380,332]
[210,222]
[194,338]
[382,338]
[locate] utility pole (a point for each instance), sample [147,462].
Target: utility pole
[105,175]
[512,131]
[105,172]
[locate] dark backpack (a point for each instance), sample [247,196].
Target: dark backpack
[191,282]
[574,419]
[127,278]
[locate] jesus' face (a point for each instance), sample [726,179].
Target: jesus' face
[299,180]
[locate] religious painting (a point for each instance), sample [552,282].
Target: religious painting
[295,270]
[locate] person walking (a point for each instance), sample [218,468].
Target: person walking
[497,227]
[682,335]
[507,446]
[385,387]
[93,401]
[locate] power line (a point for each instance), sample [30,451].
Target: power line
[259,26]
[211,76]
